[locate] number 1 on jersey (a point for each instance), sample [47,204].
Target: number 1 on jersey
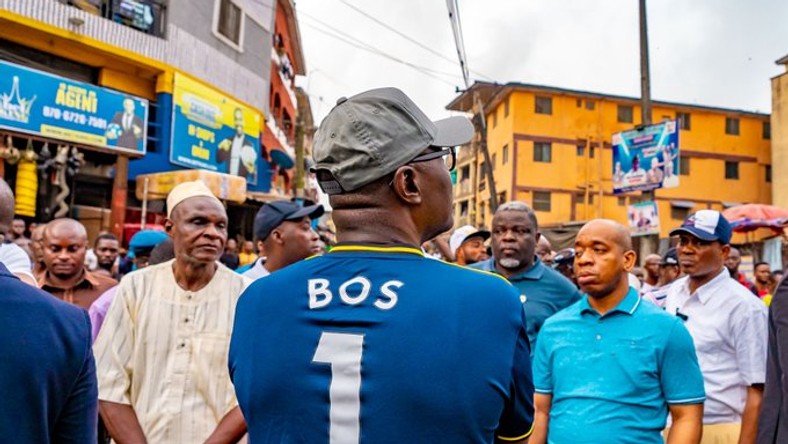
[343,352]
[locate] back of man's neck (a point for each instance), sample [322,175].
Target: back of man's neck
[377,226]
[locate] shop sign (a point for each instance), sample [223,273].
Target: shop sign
[42,104]
[213,132]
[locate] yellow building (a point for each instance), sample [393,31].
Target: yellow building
[780,134]
[550,147]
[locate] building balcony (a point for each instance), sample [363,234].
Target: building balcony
[280,135]
[286,73]
[463,189]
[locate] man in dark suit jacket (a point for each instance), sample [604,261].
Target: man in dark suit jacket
[773,422]
[231,149]
[48,388]
[47,373]
[130,124]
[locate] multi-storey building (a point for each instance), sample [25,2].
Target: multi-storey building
[780,135]
[550,147]
[206,86]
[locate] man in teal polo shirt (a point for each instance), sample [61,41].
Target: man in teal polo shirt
[543,291]
[609,368]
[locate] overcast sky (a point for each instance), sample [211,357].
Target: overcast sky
[706,52]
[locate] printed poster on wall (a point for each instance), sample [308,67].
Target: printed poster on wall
[213,132]
[643,218]
[646,159]
[39,103]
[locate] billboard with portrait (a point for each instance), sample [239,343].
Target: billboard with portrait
[213,132]
[643,218]
[647,158]
[38,103]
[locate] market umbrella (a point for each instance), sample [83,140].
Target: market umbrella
[755,212]
[747,225]
[756,221]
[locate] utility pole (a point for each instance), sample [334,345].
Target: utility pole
[649,244]
[298,183]
[478,106]
[645,72]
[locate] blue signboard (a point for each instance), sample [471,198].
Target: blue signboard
[43,104]
[647,158]
[213,132]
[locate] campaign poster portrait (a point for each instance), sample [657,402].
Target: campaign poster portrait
[646,159]
[213,132]
[38,103]
[643,218]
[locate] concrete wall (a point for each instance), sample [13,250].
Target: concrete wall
[196,17]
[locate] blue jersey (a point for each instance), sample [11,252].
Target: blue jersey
[381,345]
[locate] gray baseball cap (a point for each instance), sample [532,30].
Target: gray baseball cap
[372,134]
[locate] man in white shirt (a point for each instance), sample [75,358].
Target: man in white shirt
[162,350]
[728,326]
[283,230]
[15,259]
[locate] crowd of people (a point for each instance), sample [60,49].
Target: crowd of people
[190,336]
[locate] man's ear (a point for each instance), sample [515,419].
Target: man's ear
[168,226]
[726,251]
[407,186]
[630,258]
[277,236]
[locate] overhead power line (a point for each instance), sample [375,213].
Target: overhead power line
[405,36]
[353,41]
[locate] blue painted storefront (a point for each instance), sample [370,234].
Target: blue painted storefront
[157,158]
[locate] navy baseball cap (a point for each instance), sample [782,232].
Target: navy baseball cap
[707,225]
[563,257]
[272,214]
[670,258]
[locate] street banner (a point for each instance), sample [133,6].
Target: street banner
[42,104]
[213,132]
[643,218]
[646,159]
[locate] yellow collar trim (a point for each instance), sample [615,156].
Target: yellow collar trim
[362,248]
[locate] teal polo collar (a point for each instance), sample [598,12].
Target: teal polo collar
[628,305]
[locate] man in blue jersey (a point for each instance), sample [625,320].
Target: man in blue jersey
[373,342]
[609,368]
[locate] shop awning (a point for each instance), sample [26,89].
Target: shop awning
[682,204]
[259,196]
[224,186]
